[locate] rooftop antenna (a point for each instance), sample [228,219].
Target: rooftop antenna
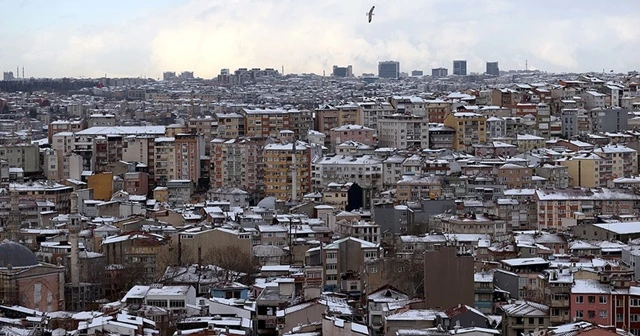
[23,72]
[283,70]
[526,65]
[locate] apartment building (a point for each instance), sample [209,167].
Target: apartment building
[440,136]
[25,156]
[417,187]
[342,262]
[278,169]
[372,111]
[409,105]
[623,160]
[515,176]
[56,193]
[188,150]
[403,131]
[138,249]
[505,97]
[206,126]
[358,133]
[437,110]
[364,170]
[164,160]
[65,126]
[328,117]
[263,123]
[557,207]
[470,129]
[238,163]
[228,125]
[587,170]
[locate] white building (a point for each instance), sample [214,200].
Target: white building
[364,170]
[403,131]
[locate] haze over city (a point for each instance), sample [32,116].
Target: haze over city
[140,38]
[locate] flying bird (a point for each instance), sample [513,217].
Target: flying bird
[370,13]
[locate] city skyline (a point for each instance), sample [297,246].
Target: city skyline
[136,38]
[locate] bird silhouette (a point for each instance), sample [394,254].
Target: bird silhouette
[370,13]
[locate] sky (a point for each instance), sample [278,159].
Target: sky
[74,38]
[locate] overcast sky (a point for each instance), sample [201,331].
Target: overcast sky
[145,37]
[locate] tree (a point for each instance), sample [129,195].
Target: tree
[406,274]
[235,263]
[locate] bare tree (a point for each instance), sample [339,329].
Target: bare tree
[235,263]
[406,274]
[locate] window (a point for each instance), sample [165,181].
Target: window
[373,269]
[634,302]
[591,299]
[579,313]
[579,299]
[619,318]
[603,299]
[603,313]
[591,313]
[176,303]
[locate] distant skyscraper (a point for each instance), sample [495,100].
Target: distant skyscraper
[439,72]
[460,67]
[389,69]
[493,69]
[8,75]
[168,75]
[186,75]
[342,71]
[417,73]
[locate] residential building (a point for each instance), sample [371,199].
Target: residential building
[342,263]
[364,170]
[357,133]
[523,317]
[514,176]
[587,170]
[372,111]
[470,129]
[238,163]
[403,131]
[556,207]
[25,156]
[623,160]
[287,170]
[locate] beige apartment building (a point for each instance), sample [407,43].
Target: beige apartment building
[470,129]
[587,170]
[514,176]
[278,170]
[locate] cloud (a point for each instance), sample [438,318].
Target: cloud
[205,36]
